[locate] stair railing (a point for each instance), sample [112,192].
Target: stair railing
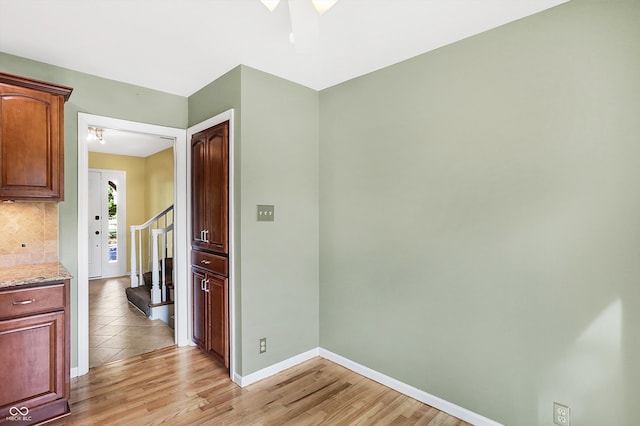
[148,234]
[159,292]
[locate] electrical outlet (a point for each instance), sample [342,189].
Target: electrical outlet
[561,414]
[263,345]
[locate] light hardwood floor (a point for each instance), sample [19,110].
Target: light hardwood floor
[183,386]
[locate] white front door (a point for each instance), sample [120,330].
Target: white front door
[107,223]
[95,224]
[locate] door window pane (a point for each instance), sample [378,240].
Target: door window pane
[112,207]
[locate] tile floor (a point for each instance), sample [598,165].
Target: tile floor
[117,329]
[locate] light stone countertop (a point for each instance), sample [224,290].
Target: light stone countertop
[11,276]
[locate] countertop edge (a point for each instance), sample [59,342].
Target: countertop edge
[13,276]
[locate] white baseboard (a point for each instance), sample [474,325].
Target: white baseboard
[415,393]
[390,382]
[74,372]
[243,381]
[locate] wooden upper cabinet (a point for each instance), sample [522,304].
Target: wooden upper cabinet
[210,189]
[31,139]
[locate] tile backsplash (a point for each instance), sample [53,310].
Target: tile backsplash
[29,233]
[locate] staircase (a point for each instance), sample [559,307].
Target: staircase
[141,296]
[151,289]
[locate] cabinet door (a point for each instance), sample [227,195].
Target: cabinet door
[32,350]
[218,188]
[210,189]
[31,153]
[200,308]
[218,292]
[199,167]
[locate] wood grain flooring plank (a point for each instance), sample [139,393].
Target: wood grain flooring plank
[183,386]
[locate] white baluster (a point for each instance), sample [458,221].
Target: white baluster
[164,266]
[140,273]
[134,268]
[155,272]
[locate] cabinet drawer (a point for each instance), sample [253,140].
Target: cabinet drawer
[31,300]
[210,262]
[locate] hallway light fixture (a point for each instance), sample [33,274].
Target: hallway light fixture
[96,134]
[321,5]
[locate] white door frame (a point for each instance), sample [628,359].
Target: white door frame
[181,262]
[220,118]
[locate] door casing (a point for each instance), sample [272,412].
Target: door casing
[181,261]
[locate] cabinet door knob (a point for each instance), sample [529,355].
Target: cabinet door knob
[23,302]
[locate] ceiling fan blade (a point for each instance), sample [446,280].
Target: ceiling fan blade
[304,25]
[271,4]
[323,5]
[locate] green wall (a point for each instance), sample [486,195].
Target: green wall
[280,260]
[92,95]
[276,162]
[479,217]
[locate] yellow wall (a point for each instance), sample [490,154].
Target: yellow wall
[159,182]
[159,185]
[149,185]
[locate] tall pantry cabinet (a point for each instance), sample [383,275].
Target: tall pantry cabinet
[210,240]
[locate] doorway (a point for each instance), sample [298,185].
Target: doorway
[107,208]
[87,123]
[128,171]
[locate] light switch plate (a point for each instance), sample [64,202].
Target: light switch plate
[266,213]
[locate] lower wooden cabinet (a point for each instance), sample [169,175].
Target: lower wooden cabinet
[34,353]
[211,313]
[200,308]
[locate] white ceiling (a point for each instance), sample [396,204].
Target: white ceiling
[129,143]
[179,46]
